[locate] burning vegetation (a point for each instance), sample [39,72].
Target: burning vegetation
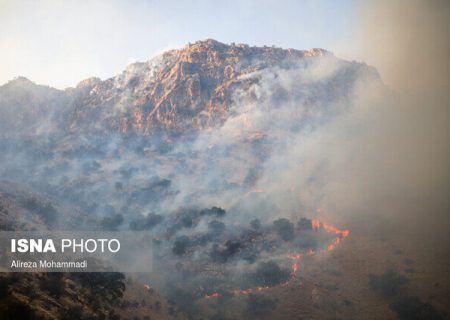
[154,148]
[206,257]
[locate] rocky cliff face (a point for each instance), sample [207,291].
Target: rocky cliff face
[192,123]
[207,118]
[189,88]
[173,140]
[192,88]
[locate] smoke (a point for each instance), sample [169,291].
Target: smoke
[264,162]
[315,137]
[408,42]
[384,165]
[404,152]
[277,116]
[376,160]
[385,159]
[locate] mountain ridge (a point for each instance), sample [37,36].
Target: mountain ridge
[181,90]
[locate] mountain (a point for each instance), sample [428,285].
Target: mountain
[27,108]
[195,122]
[198,126]
[180,89]
[169,146]
[192,88]
[229,157]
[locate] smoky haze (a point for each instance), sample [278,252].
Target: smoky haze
[318,137]
[407,149]
[230,197]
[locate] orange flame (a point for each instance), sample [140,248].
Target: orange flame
[316,224]
[294,269]
[249,291]
[331,229]
[211,295]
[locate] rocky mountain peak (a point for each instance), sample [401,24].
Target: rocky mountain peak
[89,82]
[182,89]
[188,89]
[20,80]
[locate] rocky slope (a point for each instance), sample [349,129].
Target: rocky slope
[202,122]
[208,125]
[185,89]
[27,108]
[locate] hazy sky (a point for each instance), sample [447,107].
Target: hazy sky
[60,43]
